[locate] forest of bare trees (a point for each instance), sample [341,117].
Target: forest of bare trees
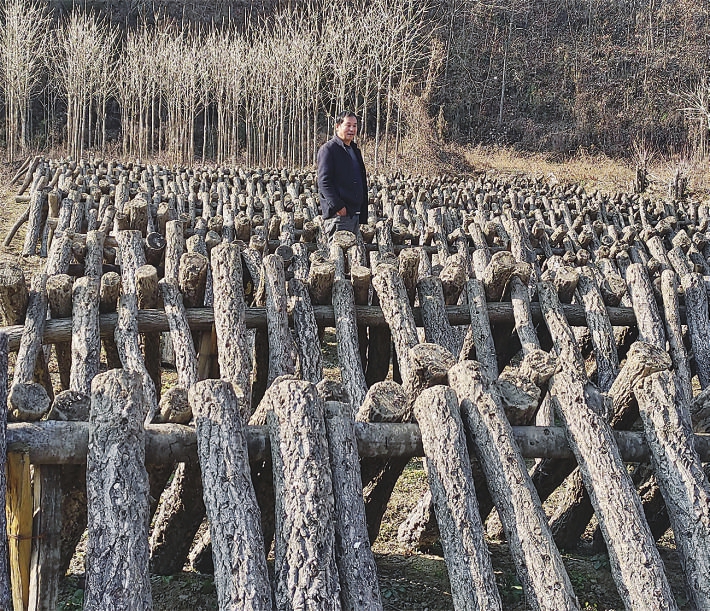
[262,87]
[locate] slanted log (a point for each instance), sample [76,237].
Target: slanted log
[437,329]
[117,575]
[696,309]
[110,292]
[356,564]
[241,575]
[680,477]
[635,563]
[282,349]
[449,467]
[538,563]
[305,532]
[29,400]
[347,344]
[229,311]
[38,198]
[520,300]
[310,356]
[481,329]
[13,294]
[674,332]
[148,299]
[648,318]
[86,343]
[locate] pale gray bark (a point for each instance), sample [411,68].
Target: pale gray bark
[86,343]
[229,312]
[467,558]
[117,575]
[696,309]
[347,342]
[635,563]
[681,478]
[185,357]
[648,318]
[356,564]
[310,356]
[437,329]
[481,328]
[674,332]
[282,349]
[538,562]
[241,575]
[305,571]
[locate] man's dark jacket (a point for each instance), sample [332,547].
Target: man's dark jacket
[337,183]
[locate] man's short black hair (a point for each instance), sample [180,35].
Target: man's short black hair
[344,115]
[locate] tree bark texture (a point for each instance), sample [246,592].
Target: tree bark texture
[347,343]
[229,313]
[437,329]
[356,564]
[241,575]
[674,332]
[681,478]
[538,562]
[648,318]
[635,563]
[305,329]
[306,575]
[467,558]
[86,343]
[117,575]
[696,308]
[398,313]
[282,349]
[5,598]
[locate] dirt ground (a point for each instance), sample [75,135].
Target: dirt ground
[408,581]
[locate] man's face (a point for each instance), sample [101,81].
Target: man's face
[347,130]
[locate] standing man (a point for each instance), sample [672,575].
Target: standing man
[342,183]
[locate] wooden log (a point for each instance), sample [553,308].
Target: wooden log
[230,326]
[680,477]
[192,278]
[648,318]
[149,298]
[117,574]
[538,563]
[38,199]
[305,533]
[310,358]
[481,329]
[468,561]
[674,332]
[13,294]
[347,344]
[635,563]
[696,306]
[27,399]
[86,344]
[437,329]
[241,575]
[520,300]
[282,349]
[185,356]
[110,291]
[398,313]
[356,564]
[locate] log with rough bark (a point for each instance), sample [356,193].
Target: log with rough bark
[305,571]
[29,400]
[117,575]
[680,477]
[538,562]
[86,343]
[648,318]
[229,312]
[396,309]
[449,468]
[282,349]
[241,575]
[696,307]
[347,344]
[437,329]
[674,332]
[13,294]
[356,564]
[635,563]
[481,329]
[148,299]
[38,198]
[310,357]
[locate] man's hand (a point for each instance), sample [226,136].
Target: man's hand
[342,211]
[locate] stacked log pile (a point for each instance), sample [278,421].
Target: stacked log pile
[501,306]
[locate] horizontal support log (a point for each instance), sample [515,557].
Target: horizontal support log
[57,442]
[200,319]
